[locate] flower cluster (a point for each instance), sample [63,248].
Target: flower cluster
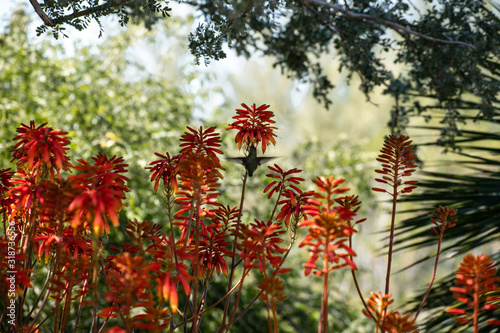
[391,322]
[398,161]
[443,219]
[329,229]
[101,189]
[254,125]
[53,217]
[41,149]
[476,288]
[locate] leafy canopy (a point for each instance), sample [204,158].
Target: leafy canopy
[450,47]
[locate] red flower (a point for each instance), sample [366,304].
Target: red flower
[330,187]
[259,244]
[166,170]
[284,180]
[177,273]
[102,188]
[41,146]
[398,161]
[129,285]
[202,142]
[212,250]
[443,218]
[329,229]
[293,206]
[23,193]
[254,126]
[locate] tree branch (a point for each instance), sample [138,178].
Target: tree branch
[38,9]
[401,29]
[88,11]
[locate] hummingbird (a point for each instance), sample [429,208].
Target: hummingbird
[251,162]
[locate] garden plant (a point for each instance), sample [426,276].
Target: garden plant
[56,262]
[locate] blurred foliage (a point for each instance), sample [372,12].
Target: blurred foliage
[449,48]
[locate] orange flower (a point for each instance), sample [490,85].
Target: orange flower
[476,280]
[377,306]
[254,126]
[395,323]
[329,229]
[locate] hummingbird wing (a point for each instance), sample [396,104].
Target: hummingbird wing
[262,160]
[239,160]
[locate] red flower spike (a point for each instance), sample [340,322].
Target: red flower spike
[259,245]
[476,280]
[212,249]
[101,190]
[198,173]
[225,217]
[202,142]
[254,126]
[398,160]
[166,170]
[351,205]
[129,281]
[329,229]
[330,187]
[443,218]
[284,179]
[41,146]
[293,206]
